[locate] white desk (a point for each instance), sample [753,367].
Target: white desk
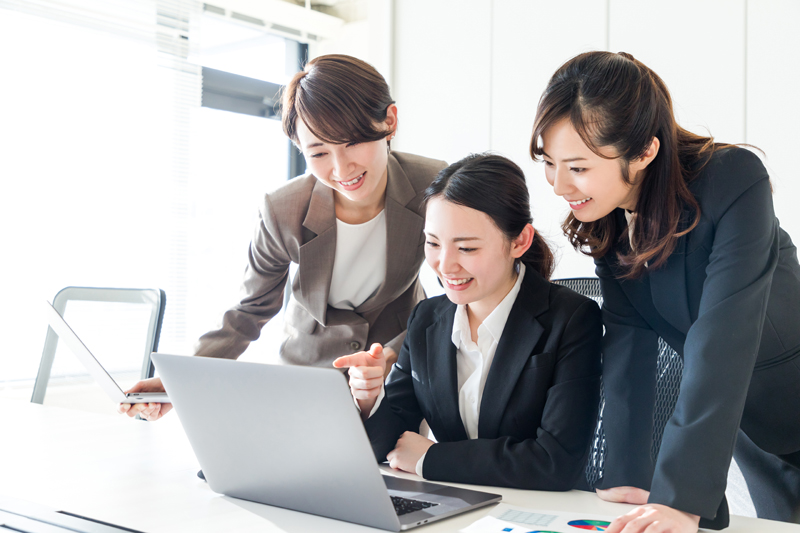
[142,475]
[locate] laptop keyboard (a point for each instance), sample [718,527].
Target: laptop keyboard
[406,505]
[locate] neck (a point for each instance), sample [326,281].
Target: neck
[360,211]
[478,311]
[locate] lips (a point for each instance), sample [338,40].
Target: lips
[578,204]
[457,284]
[354,183]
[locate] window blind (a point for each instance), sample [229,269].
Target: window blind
[96,106]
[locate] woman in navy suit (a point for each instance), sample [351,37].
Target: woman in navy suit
[505,366]
[687,247]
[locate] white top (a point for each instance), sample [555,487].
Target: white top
[631,219]
[359,267]
[473,360]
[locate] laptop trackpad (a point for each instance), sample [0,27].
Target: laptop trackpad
[445,495]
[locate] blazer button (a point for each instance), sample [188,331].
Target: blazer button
[355,345]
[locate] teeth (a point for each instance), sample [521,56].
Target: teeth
[354,180]
[458,281]
[579,202]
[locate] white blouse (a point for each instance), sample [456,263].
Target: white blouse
[359,267]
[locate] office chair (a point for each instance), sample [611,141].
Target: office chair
[670,369]
[156,299]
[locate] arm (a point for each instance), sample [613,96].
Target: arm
[630,349]
[264,281]
[265,278]
[399,411]
[555,458]
[720,353]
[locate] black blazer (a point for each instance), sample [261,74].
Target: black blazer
[728,301]
[539,404]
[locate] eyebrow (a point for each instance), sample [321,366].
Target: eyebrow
[457,239]
[314,145]
[568,160]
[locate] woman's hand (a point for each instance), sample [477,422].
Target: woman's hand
[148,411]
[655,518]
[391,359]
[367,370]
[408,450]
[624,495]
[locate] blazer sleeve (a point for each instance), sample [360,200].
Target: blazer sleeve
[629,383]
[262,292]
[556,457]
[399,411]
[721,346]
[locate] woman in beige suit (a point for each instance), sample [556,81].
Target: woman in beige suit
[353,224]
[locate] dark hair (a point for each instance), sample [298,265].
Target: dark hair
[613,100]
[496,186]
[340,99]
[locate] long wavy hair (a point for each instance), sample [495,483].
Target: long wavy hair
[613,100]
[495,186]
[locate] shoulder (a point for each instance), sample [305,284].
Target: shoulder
[540,295]
[729,172]
[286,206]
[292,194]
[294,190]
[429,311]
[420,170]
[567,303]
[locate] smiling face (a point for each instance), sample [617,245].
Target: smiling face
[592,185]
[471,256]
[356,171]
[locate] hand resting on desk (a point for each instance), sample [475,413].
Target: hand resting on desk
[647,517]
[367,372]
[148,411]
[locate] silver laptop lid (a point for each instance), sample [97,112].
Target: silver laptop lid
[281,435]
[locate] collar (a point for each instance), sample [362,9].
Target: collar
[494,324]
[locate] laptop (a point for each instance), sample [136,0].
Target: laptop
[291,437]
[96,370]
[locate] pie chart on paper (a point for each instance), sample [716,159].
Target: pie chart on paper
[590,525]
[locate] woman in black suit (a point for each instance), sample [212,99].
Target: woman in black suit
[687,248]
[505,366]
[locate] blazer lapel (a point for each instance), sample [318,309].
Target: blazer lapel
[317,255]
[668,289]
[520,335]
[443,374]
[403,236]
[662,291]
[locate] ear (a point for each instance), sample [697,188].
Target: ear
[639,164]
[391,120]
[523,241]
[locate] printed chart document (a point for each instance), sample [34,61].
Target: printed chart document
[510,519]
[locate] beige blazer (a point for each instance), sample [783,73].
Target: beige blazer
[297,224]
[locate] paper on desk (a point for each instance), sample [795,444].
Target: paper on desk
[511,519]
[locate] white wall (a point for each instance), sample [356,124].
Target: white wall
[773,90]
[468,76]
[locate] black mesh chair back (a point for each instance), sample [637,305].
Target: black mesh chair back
[668,383]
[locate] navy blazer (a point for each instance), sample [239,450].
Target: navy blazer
[728,301]
[539,405]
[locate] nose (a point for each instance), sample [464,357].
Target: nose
[562,181]
[448,261]
[341,164]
